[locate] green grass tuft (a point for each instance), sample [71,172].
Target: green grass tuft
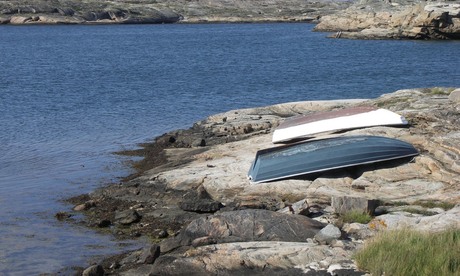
[408,252]
[434,204]
[356,216]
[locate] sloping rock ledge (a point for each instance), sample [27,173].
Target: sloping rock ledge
[193,200]
[392,20]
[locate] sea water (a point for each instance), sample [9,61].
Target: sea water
[72,95]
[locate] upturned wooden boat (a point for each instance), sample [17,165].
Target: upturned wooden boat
[326,154]
[301,127]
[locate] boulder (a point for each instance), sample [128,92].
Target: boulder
[344,204]
[454,96]
[328,234]
[245,225]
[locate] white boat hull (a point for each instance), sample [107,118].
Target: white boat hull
[307,126]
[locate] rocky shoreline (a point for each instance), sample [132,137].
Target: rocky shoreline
[163,11]
[395,20]
[191,197]
[364,19]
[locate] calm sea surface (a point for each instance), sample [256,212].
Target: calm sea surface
[71,95]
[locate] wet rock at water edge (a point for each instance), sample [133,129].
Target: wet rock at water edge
[127,217]
[94,270]
[149,254]
[62,215]
[85,206]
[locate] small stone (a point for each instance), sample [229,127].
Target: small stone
[337,243]
[163,234]
[324,264]
[300,208]
[137,207]
[328,234]
[85,206]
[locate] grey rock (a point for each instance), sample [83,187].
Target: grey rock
[300,208]
[454,96]
[169,245]
[199,143]
[249,225]
[140,270]
[358,231]
[149,254]
[94,270]
[199,201]
[328,234]
[344,204]
[201,206]
[85,206]
[20,19]
[127,217]
[163,234]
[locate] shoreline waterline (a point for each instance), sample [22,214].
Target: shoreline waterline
[70,96]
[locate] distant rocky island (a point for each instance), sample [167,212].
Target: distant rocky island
[364,19]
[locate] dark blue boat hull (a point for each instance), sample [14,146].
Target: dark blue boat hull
[327,154]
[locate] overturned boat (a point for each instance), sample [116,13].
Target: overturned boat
[326,154]
[305,126]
